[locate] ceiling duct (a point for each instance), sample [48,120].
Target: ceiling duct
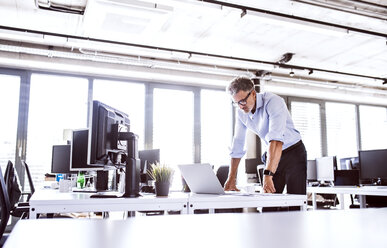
[67,6]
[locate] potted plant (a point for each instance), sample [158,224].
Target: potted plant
[162,175]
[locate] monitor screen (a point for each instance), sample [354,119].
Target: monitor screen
[311,174]
[349,163]
[60,162]
[106,123]
[78,154]
[325,167]
[346,177]
[147,158]
[373,165]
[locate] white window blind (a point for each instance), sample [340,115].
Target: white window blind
[341,129]
[126,97]
[56,103]
[9,109]
[373,127]
[173,128]
[307,120]
[216,127]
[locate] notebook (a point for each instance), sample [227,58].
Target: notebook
[201,179]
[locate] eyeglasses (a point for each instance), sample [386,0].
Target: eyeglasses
[242,102]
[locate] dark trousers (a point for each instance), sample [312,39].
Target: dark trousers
[291,170]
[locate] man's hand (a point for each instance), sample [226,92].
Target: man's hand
[268,184]
[230,185]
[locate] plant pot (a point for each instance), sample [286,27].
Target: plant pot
[162,188]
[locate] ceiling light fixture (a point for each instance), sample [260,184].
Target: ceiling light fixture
[310,72]
[291,73]
[385,81]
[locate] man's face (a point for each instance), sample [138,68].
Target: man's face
[245,100]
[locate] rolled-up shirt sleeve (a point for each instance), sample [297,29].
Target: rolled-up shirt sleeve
[277,111]
[237,149]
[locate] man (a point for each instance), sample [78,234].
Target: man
[267,116]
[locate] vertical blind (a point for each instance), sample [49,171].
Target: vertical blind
[306,118]
[9,109]
[57,103]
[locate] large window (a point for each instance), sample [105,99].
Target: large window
[373,127]
[56,104]
[341,129]
[126,97]
[306,118]
[173,127]
[216,127]
[9,109]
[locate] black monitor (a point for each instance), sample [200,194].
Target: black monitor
[373,166]
[78,154]
[104,143]
[325,167]
[60,161]
[148,157]
[346,177]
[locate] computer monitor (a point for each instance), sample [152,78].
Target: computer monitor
[349,163]
[325,167]
[148,157]
[104,144]
[373,166]
[60,160]
[311,174]
[346,177]
[78,154]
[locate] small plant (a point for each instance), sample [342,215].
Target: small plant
[161,172]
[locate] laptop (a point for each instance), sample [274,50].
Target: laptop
[201,179]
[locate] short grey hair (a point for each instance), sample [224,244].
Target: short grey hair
[240,83]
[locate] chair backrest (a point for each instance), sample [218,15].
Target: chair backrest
[8,170]
[4,205]
[30,182]
[12,185]
[222,174]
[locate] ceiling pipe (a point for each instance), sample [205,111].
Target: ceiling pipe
[218,56]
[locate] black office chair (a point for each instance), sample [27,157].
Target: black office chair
[5,209]
[17,208]
[30,182]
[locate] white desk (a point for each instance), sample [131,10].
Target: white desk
[52,201]
[341,190]
[356,228]
[211,202]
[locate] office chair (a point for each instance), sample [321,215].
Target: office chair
[5,209]
[30,182]
[17,208]
[222,174]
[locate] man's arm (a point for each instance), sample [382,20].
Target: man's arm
[273,157]
[232,175]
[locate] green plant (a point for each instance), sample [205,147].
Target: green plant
[161,172]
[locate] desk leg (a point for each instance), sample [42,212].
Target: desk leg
[32,214]
[211,211]
[362,199]
[314,201]
[341,199]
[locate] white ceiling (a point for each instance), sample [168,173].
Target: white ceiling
[222,29]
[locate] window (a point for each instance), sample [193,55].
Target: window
[56,103]
[9,109]
[341,129]
[173,128]
[373,127]
[306,118]
[216,127]
[126,97]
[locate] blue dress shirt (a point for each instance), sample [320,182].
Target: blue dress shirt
[270,121]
